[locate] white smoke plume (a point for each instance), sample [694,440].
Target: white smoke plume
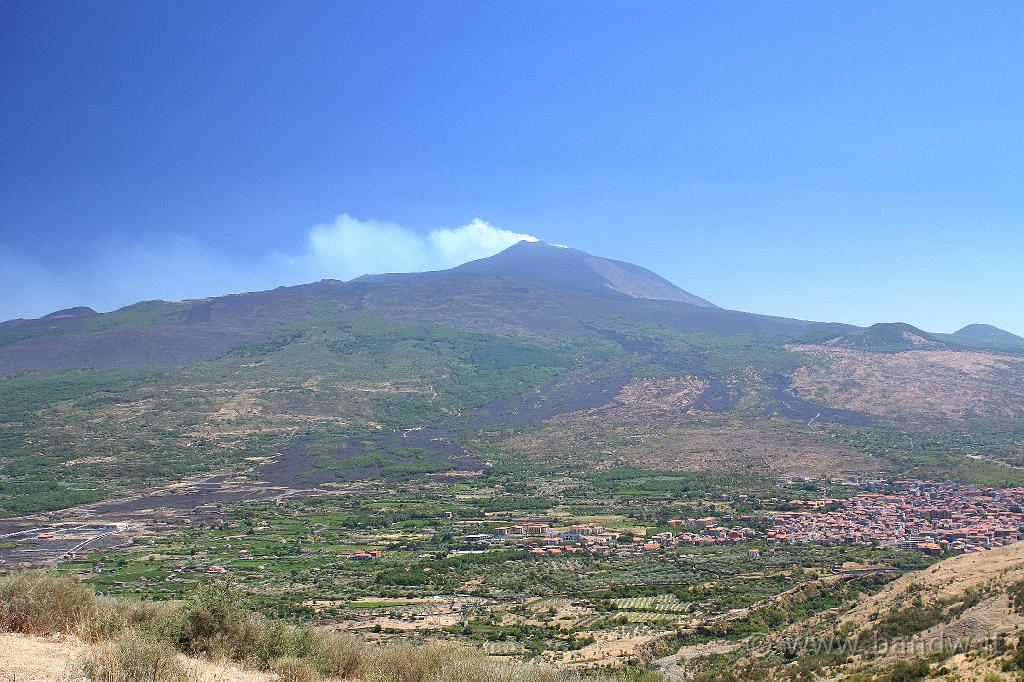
[176,267]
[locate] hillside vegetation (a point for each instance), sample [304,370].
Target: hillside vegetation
[129,641]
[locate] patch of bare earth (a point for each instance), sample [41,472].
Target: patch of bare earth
[610,648]
[28,658]
[919,385]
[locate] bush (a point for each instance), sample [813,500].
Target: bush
[909,671]
[291,669]
[161,620]
[131,657]
[217,622]
[397,663]
[40,603]
[342,655]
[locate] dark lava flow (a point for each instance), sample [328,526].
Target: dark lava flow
[293,468]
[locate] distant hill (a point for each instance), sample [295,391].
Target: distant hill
[570,269]
[987,333]
[898,337]
[887,337]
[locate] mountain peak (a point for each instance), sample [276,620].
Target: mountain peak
[987,333]
[571,268]
[71,313]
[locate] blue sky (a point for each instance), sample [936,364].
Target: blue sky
[846,161]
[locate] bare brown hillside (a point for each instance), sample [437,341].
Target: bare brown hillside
[657,424]
[921,386]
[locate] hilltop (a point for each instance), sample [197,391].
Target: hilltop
[988,334]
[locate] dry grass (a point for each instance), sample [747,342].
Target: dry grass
[342,655]
[481,669]
[448,663]
[291,669]
[131,657]
[397,663]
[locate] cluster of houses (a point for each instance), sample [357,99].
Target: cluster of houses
[931,517]
[539,539]
[709,532]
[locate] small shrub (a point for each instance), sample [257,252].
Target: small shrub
[398,663]
[342,655]
[291,669]
[909,671]
[217,623]
[134,658]
[1016,661]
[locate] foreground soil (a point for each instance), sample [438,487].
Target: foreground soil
[24,658]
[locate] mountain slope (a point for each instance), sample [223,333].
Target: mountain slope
[961,618]
[573,269]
